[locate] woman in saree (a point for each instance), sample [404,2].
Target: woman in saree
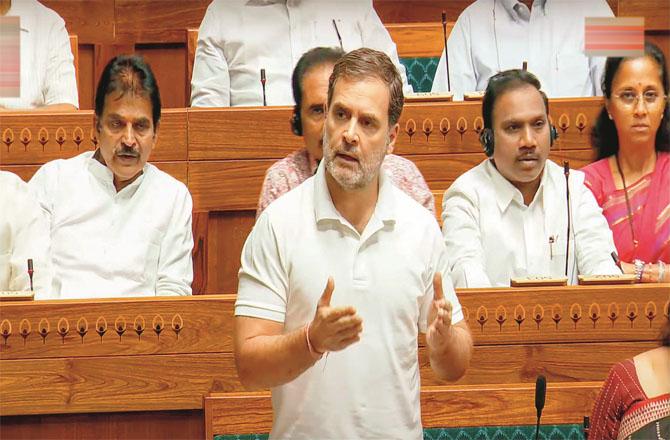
[631,178]
[634,402]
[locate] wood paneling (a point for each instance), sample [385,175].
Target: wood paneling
[92,20]
[656,13]
[419,39]
[142,425]
[168,64]
[227,234]
[230,185]
[241,133]
[157,21]
[37,138]
[441,407]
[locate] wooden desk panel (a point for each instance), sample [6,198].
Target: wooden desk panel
[241,133]
[441,407]
[37,138]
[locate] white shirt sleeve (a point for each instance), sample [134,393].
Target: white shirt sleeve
[24,234]
[462,73]
[175,264]
[60,81]
[263,279]
[593,238]
[375,36]
[210,84]
[460,227]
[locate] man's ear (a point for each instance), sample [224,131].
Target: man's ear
[156,127]
[393,136]
[96,124]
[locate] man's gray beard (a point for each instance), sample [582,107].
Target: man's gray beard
[352,181]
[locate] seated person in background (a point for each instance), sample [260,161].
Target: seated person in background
[24,234]
[495,35]
[507,217]
[631,179]
[238,38]
[47,73]
[119,226]
[379,255]
[310,91]
[634,401]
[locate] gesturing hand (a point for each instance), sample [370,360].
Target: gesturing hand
[333,328]
[439,318]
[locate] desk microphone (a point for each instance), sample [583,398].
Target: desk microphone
[540,393]
[446,52]
[339,37]
[30,272]
[263,85]
[524,66]
[566,172]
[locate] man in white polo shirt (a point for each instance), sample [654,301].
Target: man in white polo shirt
[339,276]
[119,226]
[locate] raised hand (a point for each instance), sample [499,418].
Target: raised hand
[333,328]
[439,318]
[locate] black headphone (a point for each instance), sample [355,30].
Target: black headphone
[296,122]
[487,140]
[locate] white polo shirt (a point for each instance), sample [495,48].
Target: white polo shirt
[492,236]
[24,233]
[371,388]
[47,64]
[135,242]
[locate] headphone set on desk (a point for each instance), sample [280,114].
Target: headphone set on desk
[487,140]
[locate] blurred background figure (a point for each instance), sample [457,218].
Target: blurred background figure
[47,74]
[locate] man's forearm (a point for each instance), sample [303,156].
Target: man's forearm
[450,364]
[270,361]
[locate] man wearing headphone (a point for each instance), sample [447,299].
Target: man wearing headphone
[310,92]
[508,217]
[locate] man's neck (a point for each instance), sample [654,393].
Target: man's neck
[355,206]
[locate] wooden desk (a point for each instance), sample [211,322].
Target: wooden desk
[145,385]
[140,370]
[222,155]
[571,335]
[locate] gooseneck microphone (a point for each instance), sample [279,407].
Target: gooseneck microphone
[339,37]
[30,272]
[540,393]
[265,103]
[566,172]
[446,52]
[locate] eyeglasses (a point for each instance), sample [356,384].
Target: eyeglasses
[650,97]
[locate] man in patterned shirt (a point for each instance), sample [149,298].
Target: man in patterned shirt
[310,92]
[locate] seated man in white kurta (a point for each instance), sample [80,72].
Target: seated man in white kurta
[24,234]
[119,226]
[508,217]
[348,263]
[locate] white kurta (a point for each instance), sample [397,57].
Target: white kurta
[371,388]
[135,242]
[47,65]
[238,38]
[492,236]
[550,37]
[24,234]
